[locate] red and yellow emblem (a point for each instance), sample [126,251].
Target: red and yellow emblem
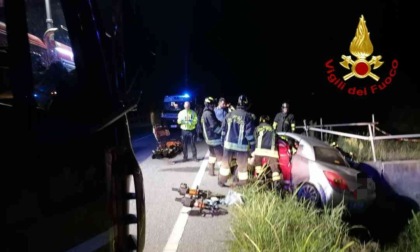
[361,47]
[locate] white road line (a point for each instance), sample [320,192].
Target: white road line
[178,230]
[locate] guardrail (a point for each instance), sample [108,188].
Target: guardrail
[371,128]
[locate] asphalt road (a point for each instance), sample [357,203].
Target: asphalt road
[169,225]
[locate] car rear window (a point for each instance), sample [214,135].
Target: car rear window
[329,155]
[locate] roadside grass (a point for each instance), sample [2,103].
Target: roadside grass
[385,150]
[409,240]
[270,222]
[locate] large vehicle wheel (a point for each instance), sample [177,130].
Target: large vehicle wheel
[308,192]
[127,202]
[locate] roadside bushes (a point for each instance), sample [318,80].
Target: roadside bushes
[269,222]
[385,150]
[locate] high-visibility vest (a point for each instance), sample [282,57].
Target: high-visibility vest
[187,119]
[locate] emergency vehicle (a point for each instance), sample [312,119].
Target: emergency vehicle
[172,104]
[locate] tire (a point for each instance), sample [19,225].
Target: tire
[129,225]
[308,192]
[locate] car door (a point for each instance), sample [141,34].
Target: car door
[300,164]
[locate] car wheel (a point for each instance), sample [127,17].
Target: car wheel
[308,192]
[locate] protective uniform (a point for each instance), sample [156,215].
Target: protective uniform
[284,121]
[238,139]
[266,147]
[187,119]
[212,133]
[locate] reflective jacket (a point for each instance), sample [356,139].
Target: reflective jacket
[284,122]
[265,138]
[238,130]
[211,127]
[187,119]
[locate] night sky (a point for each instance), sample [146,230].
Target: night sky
[273,52]
[277,51]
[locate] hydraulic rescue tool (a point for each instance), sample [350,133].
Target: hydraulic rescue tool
[201,199]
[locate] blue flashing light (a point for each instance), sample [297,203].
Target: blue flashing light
[186,95]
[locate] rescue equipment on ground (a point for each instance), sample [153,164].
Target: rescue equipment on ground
[167,148]
[205,201]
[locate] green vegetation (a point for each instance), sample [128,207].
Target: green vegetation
[385,150]
[410,239]
[268,222]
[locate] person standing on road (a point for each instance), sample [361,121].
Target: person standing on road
[187,119]
[221,110]
[212,133]
[266,147]
[284,121]
[238,140]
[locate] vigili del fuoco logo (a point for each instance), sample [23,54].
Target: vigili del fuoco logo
[361,65]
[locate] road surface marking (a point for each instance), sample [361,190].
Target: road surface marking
[178,230]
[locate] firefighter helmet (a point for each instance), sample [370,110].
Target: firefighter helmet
[209,101]
[242,100]
[264,118]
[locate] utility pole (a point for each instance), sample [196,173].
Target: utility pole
[48,12]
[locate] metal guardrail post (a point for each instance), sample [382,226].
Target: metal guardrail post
[322,134]
[305,127]
[50,23]
[373,125]
[372,142]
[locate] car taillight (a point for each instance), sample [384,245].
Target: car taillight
[336,180]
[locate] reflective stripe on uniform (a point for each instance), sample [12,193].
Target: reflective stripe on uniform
[258,169]
[266,153]
[251,160]
[213,142]
[224,171]
[212,160]
[236,147]
[276,176]
[242,175]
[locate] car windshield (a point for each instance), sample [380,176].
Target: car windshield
[174,106]
[329,155]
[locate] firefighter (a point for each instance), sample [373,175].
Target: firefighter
[284,121]
[212,133]
[187,119]
[266,147]
[238,139]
